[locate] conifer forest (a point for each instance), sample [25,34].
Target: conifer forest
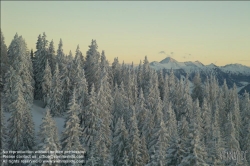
[119,114]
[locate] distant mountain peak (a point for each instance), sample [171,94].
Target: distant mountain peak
[212,65]
[167,60]
[170,63]
[199,63]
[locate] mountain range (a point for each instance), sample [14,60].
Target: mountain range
[232,73]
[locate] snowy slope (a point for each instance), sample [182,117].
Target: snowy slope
[38,113]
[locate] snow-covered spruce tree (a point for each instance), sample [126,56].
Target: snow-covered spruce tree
[146,77]
[235,109]
[139,76]
[104,62]
[247,142]
[13,49]
[46,84]
[130,91]
[81,87]
[177,95]
[10,79]
[181,97]
[90,122]
[117,107]
[172,85]
[52,56]
[161,84]
[66,85]
[206,117]
[3,132]
[76,62]
[231,142]
[60,56]
[197,118]
[159,141]
[79,56]
[141,111]
[214,91]
[194,148]
[215,145]
[134,146]
[120,142]
[41,57]
[92,161]
[206,89]
[4,136]
[175,152]
[197,92]
[32,56]
[92,67]
[48,134]
[230,134]
[222,100]
[186,106]
[166,89]
[99,151]
[21,127]
[116,69]
[72,133]
[56,94]
[19,59]
[176,149]
[183,129]
[120,105]
[152,99]
[144,151]
[125,159]
[104,81]
[171,122]
[225,100]
[133,87]
[4,61]
[70,57]
[147,128]
[29,136]
[103,95]
[245,118]
[123,72]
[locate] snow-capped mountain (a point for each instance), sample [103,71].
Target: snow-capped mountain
[193,64]
[236,69]
[232,73]
[170,63]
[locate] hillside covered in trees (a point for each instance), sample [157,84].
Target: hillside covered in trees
[119,114]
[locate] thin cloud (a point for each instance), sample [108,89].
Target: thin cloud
[162,52]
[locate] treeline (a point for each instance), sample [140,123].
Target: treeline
[119,114]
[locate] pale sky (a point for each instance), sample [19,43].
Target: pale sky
[208,31]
